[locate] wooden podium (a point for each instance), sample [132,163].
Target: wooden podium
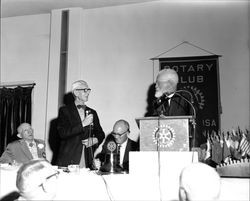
[164,133]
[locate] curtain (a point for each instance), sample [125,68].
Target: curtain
[15,108]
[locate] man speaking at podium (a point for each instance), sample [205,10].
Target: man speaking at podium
[170,101]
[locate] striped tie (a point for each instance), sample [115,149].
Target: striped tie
[118,153]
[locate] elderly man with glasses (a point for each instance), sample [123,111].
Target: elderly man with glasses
[79,129]
[37,180]
[124,144]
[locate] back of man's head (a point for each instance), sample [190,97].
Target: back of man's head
[199,181]
[36,179]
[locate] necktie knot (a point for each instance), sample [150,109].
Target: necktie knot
[31,144]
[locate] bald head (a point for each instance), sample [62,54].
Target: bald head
[121,130]
[25,131]
[31,178]
[166,82]
[199,181]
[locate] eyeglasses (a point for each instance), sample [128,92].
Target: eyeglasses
[84,90]
[50,176]
[119,134]
[55,174]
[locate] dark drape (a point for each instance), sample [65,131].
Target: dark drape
[200,76]
[15,108]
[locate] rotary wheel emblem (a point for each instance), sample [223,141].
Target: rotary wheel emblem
[111,146]
[198,95]
[164,135]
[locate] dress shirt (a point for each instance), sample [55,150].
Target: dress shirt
[81,112]
[122,151]
[169,98]
[33,148]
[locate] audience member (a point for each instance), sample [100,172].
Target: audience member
[79,129]
[25,149]
[119,135]
[37,180]
[198,182]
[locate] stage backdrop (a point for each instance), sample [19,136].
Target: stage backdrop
[200,76]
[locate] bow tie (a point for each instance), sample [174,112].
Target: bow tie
[31,144]
[81,107]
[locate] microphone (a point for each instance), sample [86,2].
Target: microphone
[191,102]
[188,92]
[88,112]
[111,146]
[194,112]
[160,100]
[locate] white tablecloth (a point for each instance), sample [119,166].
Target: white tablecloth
[87,185]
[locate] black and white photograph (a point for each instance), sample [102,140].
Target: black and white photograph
[124,100]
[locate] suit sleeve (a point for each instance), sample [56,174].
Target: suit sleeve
[7,156]
[66,127]
[97,130]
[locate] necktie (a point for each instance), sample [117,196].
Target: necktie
[31,144]
[118,153]
[167,106]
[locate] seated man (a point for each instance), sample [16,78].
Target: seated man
[198,182]
[120,136]
[25,149]
[37,180]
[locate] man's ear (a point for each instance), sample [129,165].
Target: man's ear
[74,93]
[46,187]
[182,194]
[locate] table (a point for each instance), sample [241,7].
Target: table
[87,185]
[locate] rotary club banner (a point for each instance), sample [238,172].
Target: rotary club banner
[200,76]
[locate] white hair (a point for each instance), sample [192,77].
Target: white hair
[168,75]
[78,84]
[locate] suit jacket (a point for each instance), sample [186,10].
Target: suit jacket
[19,151]
[131,146]
[178,106]
[72,133]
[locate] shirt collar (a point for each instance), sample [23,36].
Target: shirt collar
[171,95]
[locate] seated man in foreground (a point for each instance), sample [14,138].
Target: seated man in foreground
[198,182]
[119,135]
[37,180]
[25,149]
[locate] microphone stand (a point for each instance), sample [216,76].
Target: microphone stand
[93,165]
[193,120]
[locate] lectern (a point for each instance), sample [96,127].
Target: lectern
[164,133]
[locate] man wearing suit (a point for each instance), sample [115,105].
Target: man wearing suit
[172,102]
[79,129]
[169,101]
[25,149]
[120,136]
